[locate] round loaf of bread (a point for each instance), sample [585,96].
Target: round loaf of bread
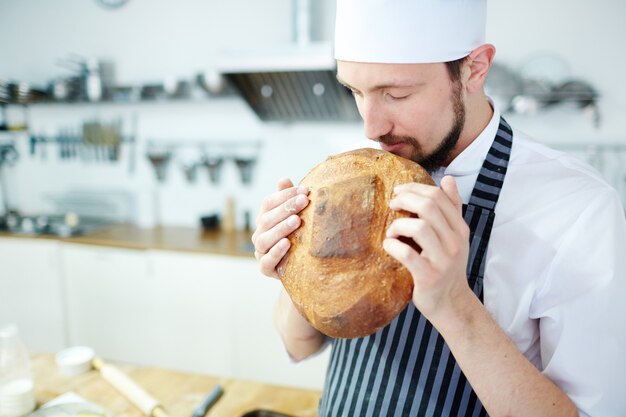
[336,272]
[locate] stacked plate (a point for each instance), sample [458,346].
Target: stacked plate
[5,93]
[16,398]
[20,92]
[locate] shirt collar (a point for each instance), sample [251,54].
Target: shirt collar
[471,159]
[465,167]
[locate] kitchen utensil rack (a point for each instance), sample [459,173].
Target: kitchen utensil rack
[91,141]
[72,138]
[74,146]
[211,154]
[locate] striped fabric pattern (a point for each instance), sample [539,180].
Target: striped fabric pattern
[406,368]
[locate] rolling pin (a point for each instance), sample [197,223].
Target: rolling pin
[129,389]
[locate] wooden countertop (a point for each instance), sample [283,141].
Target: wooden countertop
[186,239]
[179,392]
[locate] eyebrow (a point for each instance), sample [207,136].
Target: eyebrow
[379,86]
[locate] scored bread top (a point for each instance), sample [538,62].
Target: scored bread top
[336,271]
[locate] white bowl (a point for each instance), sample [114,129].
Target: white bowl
[74,360]
[17,399]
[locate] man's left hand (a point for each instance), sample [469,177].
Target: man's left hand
[439,269]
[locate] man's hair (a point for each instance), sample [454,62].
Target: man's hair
[454,69]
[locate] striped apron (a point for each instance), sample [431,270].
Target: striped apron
[406,368]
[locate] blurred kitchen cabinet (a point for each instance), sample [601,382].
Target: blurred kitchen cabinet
[193,312]
[215,316]
[195,298]
[31,292]
[259,351]
[110,302]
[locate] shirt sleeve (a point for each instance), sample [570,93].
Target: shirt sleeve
[581,310]
[327,342]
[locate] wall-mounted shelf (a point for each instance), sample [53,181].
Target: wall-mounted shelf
[116,102]
[73,92]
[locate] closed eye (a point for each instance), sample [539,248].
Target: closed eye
[397,97]
[353,92]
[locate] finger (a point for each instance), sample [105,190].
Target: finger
[269,261]
[275,199]
[450,212]
[448,186]
[406,255]
[283,184]
[269,219]
[428,209]
[420,232]
[431,192]
[265,241]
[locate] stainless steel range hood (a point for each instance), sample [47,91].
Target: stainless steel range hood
[294,82]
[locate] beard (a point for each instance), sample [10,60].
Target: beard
[436,159]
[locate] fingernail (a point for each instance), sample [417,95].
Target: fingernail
[302,190]
[292,221]
[283,244]
[301,200]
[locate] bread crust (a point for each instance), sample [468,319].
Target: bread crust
[336,271]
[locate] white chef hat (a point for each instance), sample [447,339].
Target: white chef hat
[408,31]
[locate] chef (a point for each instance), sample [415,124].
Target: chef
[518,302]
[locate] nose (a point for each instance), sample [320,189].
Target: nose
[376,121]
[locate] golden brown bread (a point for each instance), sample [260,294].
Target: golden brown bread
[336,271]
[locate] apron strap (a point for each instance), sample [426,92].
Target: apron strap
[492,173]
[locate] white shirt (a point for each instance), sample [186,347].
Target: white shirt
[556,268]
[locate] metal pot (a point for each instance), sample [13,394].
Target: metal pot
[579,92]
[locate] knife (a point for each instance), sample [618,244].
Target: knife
[208,402]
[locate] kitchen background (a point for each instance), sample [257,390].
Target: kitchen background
[161,42]
[162,61]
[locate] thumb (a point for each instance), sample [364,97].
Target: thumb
[448,185]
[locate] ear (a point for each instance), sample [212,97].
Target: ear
[477,67]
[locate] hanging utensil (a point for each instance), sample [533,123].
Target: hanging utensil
[246,168]
[160,161]
[214,165]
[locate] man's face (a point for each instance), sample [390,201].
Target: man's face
[413,110]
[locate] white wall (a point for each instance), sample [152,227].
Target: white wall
[151,40]
[148,39]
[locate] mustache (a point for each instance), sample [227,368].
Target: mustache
[394,139]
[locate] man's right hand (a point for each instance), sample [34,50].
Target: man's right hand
[277,218]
